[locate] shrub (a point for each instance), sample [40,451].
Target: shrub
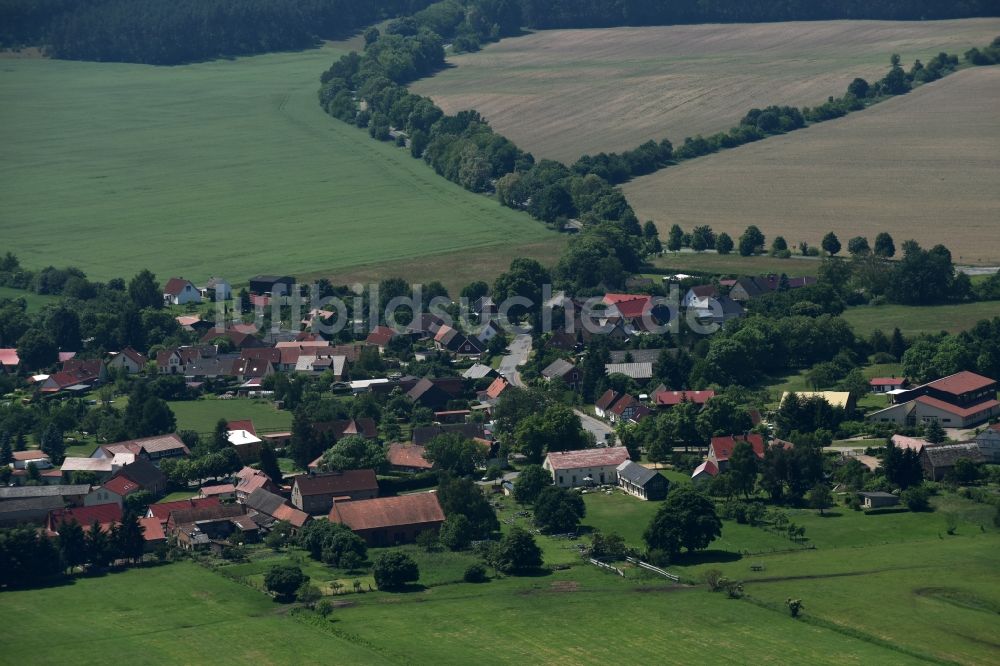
[476,573]
[393,570]
[794,606]
[324,607]
[714,579]
[428,540]
[283,580]
[916,498]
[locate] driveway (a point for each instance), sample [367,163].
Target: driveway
[520,347]
[600,429]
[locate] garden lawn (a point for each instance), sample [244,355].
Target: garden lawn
[733,264]
[174,614]
[201,415]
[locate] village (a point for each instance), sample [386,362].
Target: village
[503,412]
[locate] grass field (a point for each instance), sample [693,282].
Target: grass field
[734,264]
[202,415]
[922,166]
[175,614]
[227,168]
[913,319]
[35,301]
[563,93]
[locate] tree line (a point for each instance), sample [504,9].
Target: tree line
[159,33]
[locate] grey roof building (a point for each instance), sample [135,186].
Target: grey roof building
[642,482]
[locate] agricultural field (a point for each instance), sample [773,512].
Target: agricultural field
[916,319]
[734,264]
[220,168]
[563,93]
[924,165]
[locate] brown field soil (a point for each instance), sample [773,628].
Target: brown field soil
[563,93]
[924,166]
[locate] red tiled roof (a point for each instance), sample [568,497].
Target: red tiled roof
[705,290]
[175,286]
[624,403]
[408,455]
[902,442]
[220,489]
[995,427]
[708,467]
[290,514]
[614,456]
[961,382]
[628,305]
[163,510]
[31,454]
[886,381]
[723,446]
[380,336]
[958,411]
[337,483]
[497,387]
[104,514]
[121,486]
[606,400]
[152,529]
[245,424]
[415,509]
[671,398]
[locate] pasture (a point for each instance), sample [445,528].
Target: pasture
[34,301]
[924,165]
[734,264]
[220,168]
[563,93]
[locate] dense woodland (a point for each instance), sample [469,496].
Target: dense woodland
[156,32]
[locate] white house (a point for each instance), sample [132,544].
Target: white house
[700,296]
[570,469]
[179,291]
[129,360]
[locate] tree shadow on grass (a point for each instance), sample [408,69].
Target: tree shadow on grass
[540,572]
[831,514]
[408,588]
[707,557]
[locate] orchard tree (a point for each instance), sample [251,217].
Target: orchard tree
[283,580]
[831,244]
[144,291]
[687,519]
[393,570]
[558,510]
[531,481]
[354,452]
[820,497]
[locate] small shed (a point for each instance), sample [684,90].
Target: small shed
[878,500]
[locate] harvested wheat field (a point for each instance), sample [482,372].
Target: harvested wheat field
[563,93]
[924,166]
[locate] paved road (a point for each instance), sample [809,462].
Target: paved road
[520,347]
[594,425]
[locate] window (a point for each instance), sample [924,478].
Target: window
[574,479]
[560,479]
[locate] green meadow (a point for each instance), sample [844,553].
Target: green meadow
[917,319]
[220,168]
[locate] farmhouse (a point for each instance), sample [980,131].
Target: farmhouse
[570,469]
[153,449]
[161,512]
[429,394]
[450,340]
[380,337]
[28,510]
[989,443]
[113,492]
[105,515]
[962,400]
[390,520]
[314,493]
[249,479]
[700,296]
[564,370]
[642,482]
[665,399]
[408,458]
[937,461]
[721,448]
[605,402]
[877,500]
[273,508]
[624,409]
[128,361]
[178,291]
